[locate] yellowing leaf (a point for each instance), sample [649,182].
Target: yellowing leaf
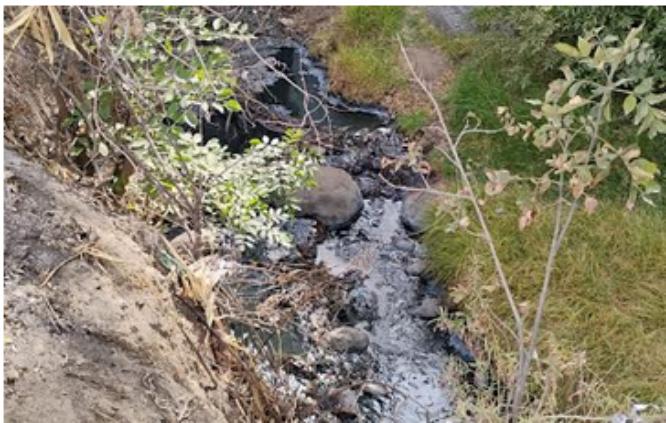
[573,103]
[497,181]
[631,153]
[584,47]
[526,219]
[567,50]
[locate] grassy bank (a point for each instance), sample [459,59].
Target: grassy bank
[365,64]
[605,323]
[603,343]
[361,51]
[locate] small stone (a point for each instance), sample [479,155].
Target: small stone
[428,309]
[347,339]
[374,389]
[345,402]
[414,211]
[369,186]
[416,268]
[288,22]
[406,245]
[11,375]
[304,233]
[363,304]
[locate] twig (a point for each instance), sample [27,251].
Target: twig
[457,162]
[55,270]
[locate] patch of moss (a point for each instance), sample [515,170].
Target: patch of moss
[606,310]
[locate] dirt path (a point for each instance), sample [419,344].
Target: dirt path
[102,340]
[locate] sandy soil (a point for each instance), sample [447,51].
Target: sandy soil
[102,341]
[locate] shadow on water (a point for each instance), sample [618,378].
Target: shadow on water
[287,100]
[324,107]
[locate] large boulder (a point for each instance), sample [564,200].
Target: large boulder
[414,211]
[335,201]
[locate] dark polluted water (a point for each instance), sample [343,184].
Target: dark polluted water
[407,356]
[409,359]
[325,108]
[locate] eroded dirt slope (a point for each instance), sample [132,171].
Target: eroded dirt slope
[102,340]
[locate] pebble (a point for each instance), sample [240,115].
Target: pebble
[347,339]
[428,309]
[416,268]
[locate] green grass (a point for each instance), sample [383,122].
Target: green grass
[364,23]
[410,123]
[364,72]
[607,300]
[363,62]
[479,88]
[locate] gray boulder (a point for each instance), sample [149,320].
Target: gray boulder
[414,211]
[335,201]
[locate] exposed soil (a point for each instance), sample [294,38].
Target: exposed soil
[101,341]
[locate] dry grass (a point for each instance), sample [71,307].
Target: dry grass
[604,337]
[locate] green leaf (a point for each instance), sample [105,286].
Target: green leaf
[644,87]
[643,171]
[629,104]
[99,20]
[105,106]
[652,187]
[567,50]
[233,105]
[168,46]
[653,99]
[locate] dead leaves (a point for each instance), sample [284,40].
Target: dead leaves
[497,181]
[37,19]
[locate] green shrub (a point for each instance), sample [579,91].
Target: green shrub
[527,33]
[607,299]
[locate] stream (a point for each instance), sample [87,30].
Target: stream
[380,264]
[409,358]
